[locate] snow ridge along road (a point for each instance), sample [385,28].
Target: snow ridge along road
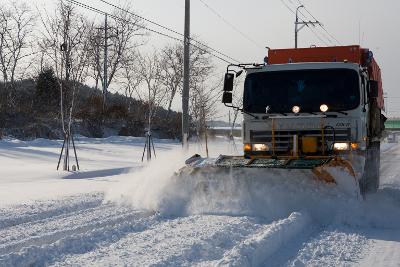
[256,249]
[42,241]
[118,212]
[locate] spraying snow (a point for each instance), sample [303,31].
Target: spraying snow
[266,193]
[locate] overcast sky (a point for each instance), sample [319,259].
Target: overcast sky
[374,24]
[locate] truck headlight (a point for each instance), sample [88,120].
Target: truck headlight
[324,108]
[296,109]
[341,146]
[260,147]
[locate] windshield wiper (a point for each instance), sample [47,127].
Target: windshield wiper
[242,110]
[340,112]
[267,116]
[312,113]
[245,112]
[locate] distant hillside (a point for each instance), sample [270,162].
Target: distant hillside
[36,114]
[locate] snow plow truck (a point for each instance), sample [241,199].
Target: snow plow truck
[318,110]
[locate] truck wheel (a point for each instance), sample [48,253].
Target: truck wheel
[369,182]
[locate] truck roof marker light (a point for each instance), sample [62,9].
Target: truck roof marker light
[296,109]
[324,108]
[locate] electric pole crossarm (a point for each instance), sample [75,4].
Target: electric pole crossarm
[301,27]
[303,24]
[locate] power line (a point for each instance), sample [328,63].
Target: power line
[312,30]
[171,30]
[320,35]
[319,24]
[118,18]
[322,26]
[204,49]
[329,36]
[230,24]
[322,40]
[142,18]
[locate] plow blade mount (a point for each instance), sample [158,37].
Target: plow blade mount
[321,167]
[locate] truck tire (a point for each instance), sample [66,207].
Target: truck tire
[369,182]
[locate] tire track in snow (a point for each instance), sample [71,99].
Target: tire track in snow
[42,242]
[257,248]
[51,229]
[19,214]
[183,241]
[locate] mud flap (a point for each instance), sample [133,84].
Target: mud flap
[369,182]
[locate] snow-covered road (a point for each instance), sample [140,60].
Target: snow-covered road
[117,211]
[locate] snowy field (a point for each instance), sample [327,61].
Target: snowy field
[117,211]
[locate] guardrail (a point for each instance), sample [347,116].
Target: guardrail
[225,131]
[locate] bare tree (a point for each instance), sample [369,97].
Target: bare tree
[66,41]
[16,26]
[172,57]
[95,51]
[203,104]
[203,107]
[124,34]
[201,67]
[131,78]
[149,69]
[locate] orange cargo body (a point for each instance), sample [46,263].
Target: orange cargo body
[352,54]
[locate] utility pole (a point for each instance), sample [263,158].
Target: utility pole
[302,23]
[186,76]
[105,81]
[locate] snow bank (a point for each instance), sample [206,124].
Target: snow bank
[335,246]
[256,249]
[380,210]
[387,146]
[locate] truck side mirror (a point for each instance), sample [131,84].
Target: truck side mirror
[373,89]
[227,98]
[228,82]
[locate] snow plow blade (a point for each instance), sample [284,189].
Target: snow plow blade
[320,167]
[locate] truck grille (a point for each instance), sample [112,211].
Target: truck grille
[284,139]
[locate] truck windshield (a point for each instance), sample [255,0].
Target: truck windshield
[279,91]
